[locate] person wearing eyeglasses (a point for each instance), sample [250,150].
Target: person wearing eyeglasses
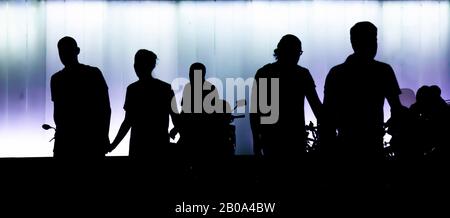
[283,85]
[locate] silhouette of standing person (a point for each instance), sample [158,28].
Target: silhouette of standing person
[287,136]
[196,129]
[197,91]
[81,106]
[355,92]
[199,126]
[148,105]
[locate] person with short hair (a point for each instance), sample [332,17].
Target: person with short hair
[81,106]
[148,105]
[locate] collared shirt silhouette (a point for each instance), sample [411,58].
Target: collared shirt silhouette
[148,105]
[288,135]
[81,106]
[355,92]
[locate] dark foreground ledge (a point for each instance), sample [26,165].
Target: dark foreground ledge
[122,184]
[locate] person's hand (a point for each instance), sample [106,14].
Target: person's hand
[173,132]
[110,148]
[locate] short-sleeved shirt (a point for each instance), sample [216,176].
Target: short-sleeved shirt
[355,92]
[81,100]
[148,104]
[294,84]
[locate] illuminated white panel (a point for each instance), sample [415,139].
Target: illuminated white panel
[233,39]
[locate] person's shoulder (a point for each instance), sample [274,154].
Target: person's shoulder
[210,85]
[89,68]
[161,84]
[57,75]
[335,73]
[265,70]
[133,85]
[302,69]
[336,70]
[383,66]
[268,66]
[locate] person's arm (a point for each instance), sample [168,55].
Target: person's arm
[328,126]
[312,97]
[315,103]
[392,92]
[104,104]
[395,104]
[56,103]
[255,119]
[174,114]
[126,124]
[124,128]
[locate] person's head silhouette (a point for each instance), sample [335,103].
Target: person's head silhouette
[435,95]
[435,91]
[194,69]
[68,51]
[423,94]
[288,50]
[363,36]
[144,63]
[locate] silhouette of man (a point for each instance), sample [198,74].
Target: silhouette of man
[287,136]
[355,92]
[198,124]
[148,105]
[81,106]
[198,90]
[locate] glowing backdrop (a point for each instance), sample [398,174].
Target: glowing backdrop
[233,39]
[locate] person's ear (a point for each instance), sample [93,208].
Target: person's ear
[78,50]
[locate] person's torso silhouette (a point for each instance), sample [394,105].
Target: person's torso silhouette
[285,137]
[148,104]
[355,92]
[198,126]
[81,107]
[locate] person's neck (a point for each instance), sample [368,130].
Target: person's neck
[72,64]
[286,64]
[361,57]
[147,77]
